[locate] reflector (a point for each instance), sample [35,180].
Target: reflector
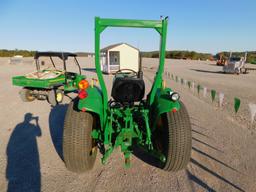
[82,94]
[174,110]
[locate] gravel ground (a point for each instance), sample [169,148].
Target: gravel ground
[223,156]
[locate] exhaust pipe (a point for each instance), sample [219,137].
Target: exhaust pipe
[140,72]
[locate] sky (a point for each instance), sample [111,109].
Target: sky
[206,26]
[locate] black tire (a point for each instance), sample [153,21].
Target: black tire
[26,96]
[79,149]
[52,97]
[173,138]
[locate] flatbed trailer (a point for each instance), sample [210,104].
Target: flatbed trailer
[23,81]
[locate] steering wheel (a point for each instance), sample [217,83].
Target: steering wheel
[127,73]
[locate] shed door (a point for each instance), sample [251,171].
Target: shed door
[114,57]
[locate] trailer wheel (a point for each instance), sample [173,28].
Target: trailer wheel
[26,96]
[244,71]
[79,149]
[173,139]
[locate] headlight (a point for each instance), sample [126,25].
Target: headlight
[174,96]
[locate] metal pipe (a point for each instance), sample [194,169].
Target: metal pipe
[52,62]
[140,72]
[78,65]
[65,69]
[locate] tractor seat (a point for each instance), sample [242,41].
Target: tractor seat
[128,89]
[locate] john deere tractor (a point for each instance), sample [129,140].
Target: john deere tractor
[159,124]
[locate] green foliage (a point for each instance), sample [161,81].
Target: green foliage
[26,53]
[180,55]
[251,57]
[11,53]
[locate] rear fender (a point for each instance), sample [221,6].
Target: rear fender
[162,104]
[93,102]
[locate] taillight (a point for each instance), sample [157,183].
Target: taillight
[83,84]
[82,94]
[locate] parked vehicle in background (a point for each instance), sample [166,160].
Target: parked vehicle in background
[235,64]
[221,61]
[49,83]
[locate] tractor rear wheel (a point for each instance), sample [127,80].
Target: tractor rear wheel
[173,139]
[26,96]
[79,149]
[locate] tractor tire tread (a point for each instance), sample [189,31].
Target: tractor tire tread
[180,140]
[77,142]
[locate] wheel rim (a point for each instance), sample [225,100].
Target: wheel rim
[160,140]
[94,148]
[30,96]
[93,141]
[158,143]
[59,97]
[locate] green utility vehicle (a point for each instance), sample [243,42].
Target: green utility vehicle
[159,125]
[50,83]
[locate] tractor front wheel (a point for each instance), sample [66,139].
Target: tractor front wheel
[173,139]
[79,149]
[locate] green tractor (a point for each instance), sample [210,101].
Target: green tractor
[158,125]
[49,84]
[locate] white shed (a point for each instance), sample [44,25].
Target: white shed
[119,56]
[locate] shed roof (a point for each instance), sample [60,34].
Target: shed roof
[116,45]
